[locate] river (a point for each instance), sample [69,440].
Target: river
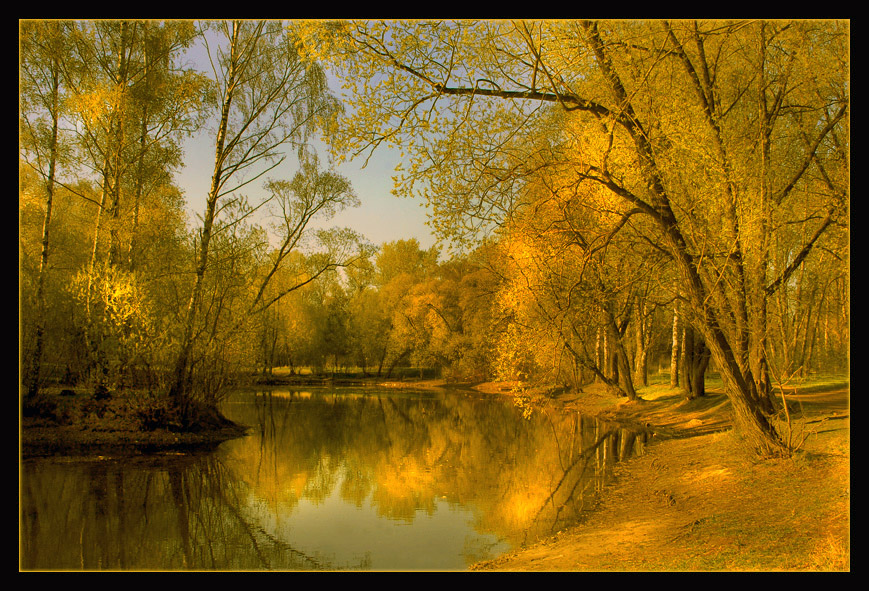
[327,479]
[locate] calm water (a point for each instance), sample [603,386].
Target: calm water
[327,480]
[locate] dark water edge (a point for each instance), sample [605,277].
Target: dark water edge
[54,440]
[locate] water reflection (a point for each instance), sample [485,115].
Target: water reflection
[167,513]
[327,481]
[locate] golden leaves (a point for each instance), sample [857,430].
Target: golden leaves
[95,105]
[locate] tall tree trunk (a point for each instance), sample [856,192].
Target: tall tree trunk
[676,352]
[117,131]
[738,383]
[757,334]
[140,168]
[641,370]
[33,377]
[599,349]
[180,390]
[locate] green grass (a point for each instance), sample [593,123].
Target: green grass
[660,382]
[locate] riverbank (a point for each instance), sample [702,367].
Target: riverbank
[75,422]
[696,501]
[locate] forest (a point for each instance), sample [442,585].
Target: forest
[613,199]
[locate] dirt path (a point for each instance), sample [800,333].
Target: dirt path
[696,501]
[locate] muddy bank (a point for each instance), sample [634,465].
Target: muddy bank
[40,440]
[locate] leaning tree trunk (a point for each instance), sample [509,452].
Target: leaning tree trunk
[620,364]
[748,413]
[180,390]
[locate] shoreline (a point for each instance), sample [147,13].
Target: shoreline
[694,501]
[697,501]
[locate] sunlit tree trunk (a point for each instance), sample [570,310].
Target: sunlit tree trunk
[641,369]
[676,352]
[140,168]
[599,349]
[117,133]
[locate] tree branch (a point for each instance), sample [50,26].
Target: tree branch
[801,256]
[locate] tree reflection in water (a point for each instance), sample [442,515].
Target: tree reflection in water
[404,452]
[167,513]
[321,483]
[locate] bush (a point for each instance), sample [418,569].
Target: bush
[154,413]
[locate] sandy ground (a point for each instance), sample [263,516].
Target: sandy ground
[696,501]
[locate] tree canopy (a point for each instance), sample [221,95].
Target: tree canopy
[724,135]
[617,194]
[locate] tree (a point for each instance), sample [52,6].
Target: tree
[706,129]
[133,102]
[311,195]
[404,257]
[403,273]
[695,360]
[115,77]
[270,98]
[461,316]
[675,349]
[368,329]
[43,46]
[335,334]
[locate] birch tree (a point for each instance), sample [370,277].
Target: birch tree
[124,101]
[270,101]
[43,47]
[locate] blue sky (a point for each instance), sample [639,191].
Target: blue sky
[381,217]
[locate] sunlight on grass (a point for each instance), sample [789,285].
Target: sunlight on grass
[832,554]
[659,384]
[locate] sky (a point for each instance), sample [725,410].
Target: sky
[381,216]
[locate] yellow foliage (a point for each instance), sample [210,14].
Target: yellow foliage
[118,313]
